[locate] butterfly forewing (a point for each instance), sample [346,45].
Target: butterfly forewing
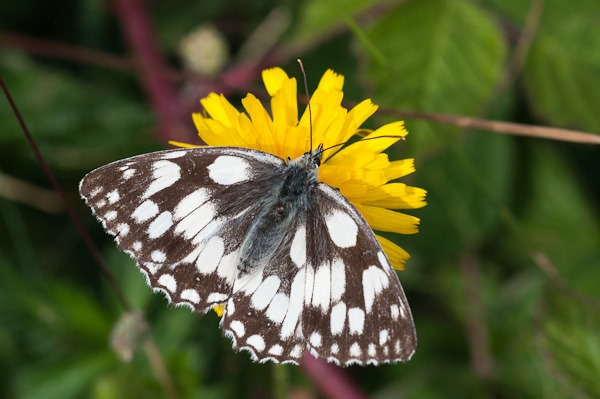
[182,214]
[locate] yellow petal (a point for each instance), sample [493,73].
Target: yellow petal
[386,220]
[219,310]
[401,168]
[356,117]
[394,196]
[273,79]
[331,81]
[220,109]
[395,253]
[183,145]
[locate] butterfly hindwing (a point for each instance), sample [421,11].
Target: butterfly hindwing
[182,214]
[264,313]
[355,308]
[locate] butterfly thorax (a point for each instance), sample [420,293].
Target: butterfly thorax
[286,204]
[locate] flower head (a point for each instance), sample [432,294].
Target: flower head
[361,171]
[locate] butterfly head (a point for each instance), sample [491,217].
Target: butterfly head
[316,155]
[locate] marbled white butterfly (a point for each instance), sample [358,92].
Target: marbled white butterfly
[296,266]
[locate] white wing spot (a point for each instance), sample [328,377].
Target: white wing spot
[276,350]
[249,282]
[394,311]
[158,256]
[315,339]
[228,267]
[128,174]
[95,192]
[356,320]
[168,281]
[298,248]
[371,350]
[342,229]
[174,154]
[211,255]
[238,328]
[165,174]
[322,287]
[113,197]
[265,292]
[136,246]
[338,279]
[123,229]
[397,346]
[383,261]
[295,307]
[355,350]
[110,216]
[230,307]
[101,203]
[152,267]
[374,280]
[190,295]
[145,211]
[383,337]
[278,307]
[227,170]
[257,342]
[160,225]
[338,318]
[216,297]
[196,220]
[335,349]
[402,311]
[209,230]
[309,283]
[296,352]
[191,202]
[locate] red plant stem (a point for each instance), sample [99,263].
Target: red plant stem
[330,380]
[139,34]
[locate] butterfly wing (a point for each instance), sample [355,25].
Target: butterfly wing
[329,288]
[264,313]
[182,215]
[355,308]
[340,298]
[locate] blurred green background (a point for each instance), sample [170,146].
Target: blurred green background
[504,279]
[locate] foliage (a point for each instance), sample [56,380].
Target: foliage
[503,282]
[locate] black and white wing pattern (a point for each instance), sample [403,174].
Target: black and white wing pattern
[339,297]
[182,215]
[296,266]
[355,310]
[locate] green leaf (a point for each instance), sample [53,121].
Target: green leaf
[317,16]
[467,190]
[571,344]
[445,56]
[77,123]
[560,221]
[69,379]
[562,73]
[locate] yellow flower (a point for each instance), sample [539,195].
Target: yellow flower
[361,171]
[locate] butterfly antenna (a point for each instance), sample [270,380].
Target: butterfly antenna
[308,105]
